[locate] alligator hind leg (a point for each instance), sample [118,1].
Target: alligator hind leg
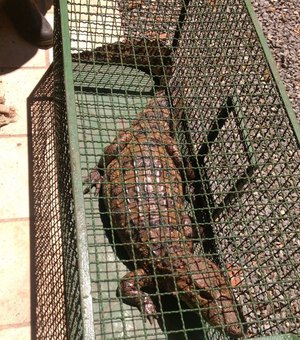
[205,286]
[131,293]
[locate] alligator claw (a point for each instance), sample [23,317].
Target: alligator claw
[151,319]
[93,180]
[87,190]
[149,310]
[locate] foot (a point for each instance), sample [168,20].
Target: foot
[29,22]
[132,294]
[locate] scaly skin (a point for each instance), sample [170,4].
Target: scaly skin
[143,191]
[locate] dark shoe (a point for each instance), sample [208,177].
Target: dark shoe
[29,22]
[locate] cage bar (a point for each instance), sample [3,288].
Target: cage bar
[232,122]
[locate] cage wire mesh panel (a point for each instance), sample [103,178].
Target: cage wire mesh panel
[250,164]
[48,312]
[230,124]
[56,309]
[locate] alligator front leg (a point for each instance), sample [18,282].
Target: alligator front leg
[115,148]
[95,178]
[131,293]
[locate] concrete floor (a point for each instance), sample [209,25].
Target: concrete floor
[21,67]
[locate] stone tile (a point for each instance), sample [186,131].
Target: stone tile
[17,333]
[17,87]
[21,67]
[14,273]
[14,202]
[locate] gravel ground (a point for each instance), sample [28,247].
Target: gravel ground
[281,26]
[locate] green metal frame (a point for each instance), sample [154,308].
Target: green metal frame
[83,259]
[279,337]
[82,245]
[280,86]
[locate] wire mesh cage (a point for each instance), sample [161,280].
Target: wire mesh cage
[195,220]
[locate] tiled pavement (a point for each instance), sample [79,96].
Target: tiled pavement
[21,67]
